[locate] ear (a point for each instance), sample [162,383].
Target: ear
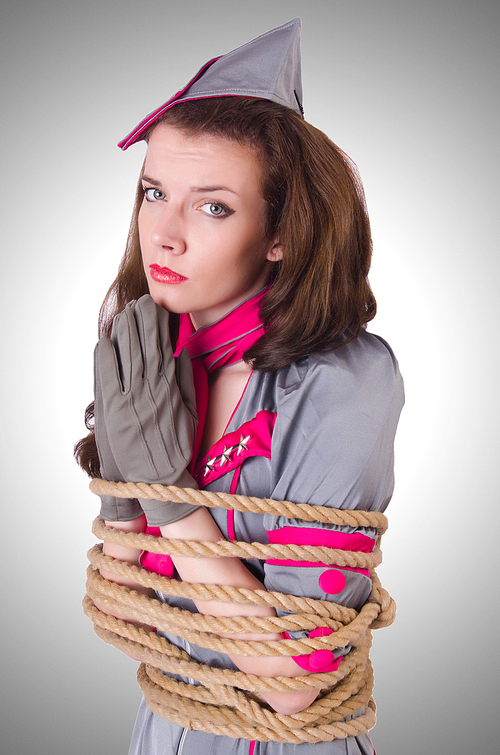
[275,253]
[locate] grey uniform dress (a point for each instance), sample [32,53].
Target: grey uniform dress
[320,431]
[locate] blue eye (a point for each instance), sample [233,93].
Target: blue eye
[153,195]
[216,209]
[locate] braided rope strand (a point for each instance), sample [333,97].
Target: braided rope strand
[239,549]
[224,701]
[155,650]
[305,511]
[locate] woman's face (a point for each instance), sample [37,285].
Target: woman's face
[201,224]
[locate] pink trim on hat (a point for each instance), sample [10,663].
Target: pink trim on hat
[136,134]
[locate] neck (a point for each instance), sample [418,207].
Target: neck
[223,342]
[210,317]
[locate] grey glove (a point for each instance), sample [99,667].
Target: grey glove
[113,509]
[144,425]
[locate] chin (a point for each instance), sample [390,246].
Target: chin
[164,301]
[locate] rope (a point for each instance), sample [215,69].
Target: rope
[214,500]
[223,701]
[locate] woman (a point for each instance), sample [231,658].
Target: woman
[249,229]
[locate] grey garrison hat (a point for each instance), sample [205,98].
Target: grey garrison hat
[268,68]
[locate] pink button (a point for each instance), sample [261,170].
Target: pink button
[320,632]
[157,562]
[320,659]
[332,581]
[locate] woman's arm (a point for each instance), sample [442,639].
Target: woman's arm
[131,556]
[231,571]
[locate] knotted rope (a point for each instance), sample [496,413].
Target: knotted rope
[223,701]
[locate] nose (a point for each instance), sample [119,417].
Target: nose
[169,232]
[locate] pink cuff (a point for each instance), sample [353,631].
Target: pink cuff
[319,661]
[156,562]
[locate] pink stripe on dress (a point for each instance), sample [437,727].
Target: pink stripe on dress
[345,541]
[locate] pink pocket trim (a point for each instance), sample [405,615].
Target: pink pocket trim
[344,541]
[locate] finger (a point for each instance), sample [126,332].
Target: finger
[117,339]
[185,381]
[106,368]
[128,349]
[99,424]
[111,507]
[107,391]
[146,312]
[167,354]
[109,468]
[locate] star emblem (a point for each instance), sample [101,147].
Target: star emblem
[209,466]
[242,445]
[225,455]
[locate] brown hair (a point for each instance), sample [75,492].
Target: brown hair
[320,297]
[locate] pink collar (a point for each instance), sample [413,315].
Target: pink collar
[225,341]
[215,346]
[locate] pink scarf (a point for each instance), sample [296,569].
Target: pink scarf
[218,345]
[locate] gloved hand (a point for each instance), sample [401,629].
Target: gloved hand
[112,508]
[144,424]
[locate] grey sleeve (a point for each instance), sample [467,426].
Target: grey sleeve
[120,509]
[333,442]
[333,446]
[157,513]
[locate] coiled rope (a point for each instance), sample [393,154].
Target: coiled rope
[223,701]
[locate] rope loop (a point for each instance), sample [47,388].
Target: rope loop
[211,499]
[223,701]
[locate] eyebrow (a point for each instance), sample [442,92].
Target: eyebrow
[151,181]
[196,189]
[201,189]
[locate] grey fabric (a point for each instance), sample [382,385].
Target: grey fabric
[268,67]
[113,509]
[164,738]
[332,445]
[135,385]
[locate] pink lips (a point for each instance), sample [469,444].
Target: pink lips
[165,275]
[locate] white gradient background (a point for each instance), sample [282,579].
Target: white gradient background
[409,90]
